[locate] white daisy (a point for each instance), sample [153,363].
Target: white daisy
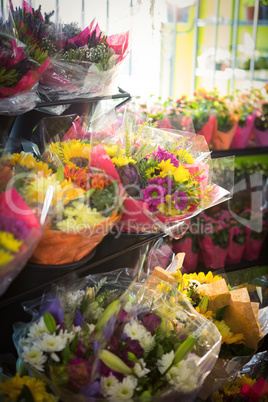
[52,343]
[185,375]
[37,329]
[165,361]
[108,385]
[34,357]
[75,297]
[138,332]
[125,389]
[140,368]
[181,316]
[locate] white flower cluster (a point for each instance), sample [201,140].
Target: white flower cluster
[113,389]
[40,344]
[138,332]
[185,376]
[75,298]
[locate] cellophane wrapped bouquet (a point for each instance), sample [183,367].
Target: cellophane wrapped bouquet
[168,176]
[83,62]
[84,200]
[239,314]
[22,63]
[22,223]
[114,338]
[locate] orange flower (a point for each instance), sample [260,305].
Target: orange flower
[99,182]
[78,177]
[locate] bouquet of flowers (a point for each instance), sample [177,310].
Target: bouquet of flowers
[211,297]
[255,238]
[261,127]
[237,243]
[166,176]
[20,71]
[106,338]
[84,203]
[20,231]
[84,64]
[250,384]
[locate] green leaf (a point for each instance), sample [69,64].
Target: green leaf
[74,343]
[220,313]
[25,395]
[60,174]
[132,357]
[184,349]
[159,351]
[65,354]
[50,322]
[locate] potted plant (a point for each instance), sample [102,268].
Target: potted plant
[227,122]
[214,245]
[188,245]
[261,127]
[249,9]
[246,105]
[237,243]
[199,110]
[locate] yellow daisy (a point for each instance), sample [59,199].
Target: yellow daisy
[114,151]
[181,174]
[227,335]
[123,160]
[5,257]
[163,169]
[203,278]
[26,160]
[9,242]
[72,153]
[184,156]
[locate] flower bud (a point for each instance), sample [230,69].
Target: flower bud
[183,350]
[115,363]
[111,310]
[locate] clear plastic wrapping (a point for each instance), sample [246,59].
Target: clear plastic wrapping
[168,175]
[140,342]
[85,191]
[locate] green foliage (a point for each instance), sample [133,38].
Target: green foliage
[220,312]
[50,322]
[103,200]
[8,78]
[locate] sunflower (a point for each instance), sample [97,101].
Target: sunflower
[72,153]
[29,162]
[12,388]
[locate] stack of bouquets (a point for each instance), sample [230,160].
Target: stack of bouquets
[83,62]
[22,63]
[118,339]
[168,176]
[84,201]
[236,314]
[21,225]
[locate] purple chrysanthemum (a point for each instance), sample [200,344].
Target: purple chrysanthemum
[151,322]
[163,155]
[180,199]
[154,194]
[17,227]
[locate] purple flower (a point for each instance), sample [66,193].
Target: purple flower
[163,155]
[109,328]
[151,322]
[78,318]
[17,227]
[79,371]
[155,193]
[122,316]
[130,179]
[52,306]
[180,199]
[134,347]
[92,390]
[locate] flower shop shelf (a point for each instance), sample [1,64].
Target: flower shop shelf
[13,128]
[240,152]
[225,21]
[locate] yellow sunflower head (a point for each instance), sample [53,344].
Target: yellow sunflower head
[29,162]
[71,153]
